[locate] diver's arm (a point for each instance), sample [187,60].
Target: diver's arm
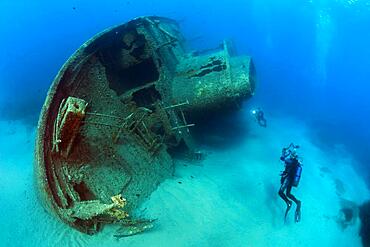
[284,154]
[283,176]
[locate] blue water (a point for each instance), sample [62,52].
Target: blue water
[312,57]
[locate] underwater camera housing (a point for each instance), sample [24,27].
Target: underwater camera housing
[117,111]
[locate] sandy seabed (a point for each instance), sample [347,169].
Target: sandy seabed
[229,199]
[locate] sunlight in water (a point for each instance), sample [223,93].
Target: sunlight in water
[324,30]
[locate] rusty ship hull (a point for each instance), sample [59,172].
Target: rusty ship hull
[118,109]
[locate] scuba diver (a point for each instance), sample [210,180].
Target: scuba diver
[290,178]
[259,116]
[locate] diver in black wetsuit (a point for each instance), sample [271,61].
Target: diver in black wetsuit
[260,118]
[289,178]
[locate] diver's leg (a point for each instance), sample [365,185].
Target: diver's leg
[289,195]
[262,122]
[297,216]
[282,195]
[285,198]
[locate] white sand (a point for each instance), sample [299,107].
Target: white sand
[230,201]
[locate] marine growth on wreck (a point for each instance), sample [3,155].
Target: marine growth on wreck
[117,112]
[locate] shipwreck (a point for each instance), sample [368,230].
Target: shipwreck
[116,113]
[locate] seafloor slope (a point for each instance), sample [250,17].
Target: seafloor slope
[229,199]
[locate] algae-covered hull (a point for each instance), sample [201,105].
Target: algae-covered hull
[116,112]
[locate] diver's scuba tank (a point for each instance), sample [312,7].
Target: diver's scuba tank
[297,175]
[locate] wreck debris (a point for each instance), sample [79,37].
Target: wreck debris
[66,126]
[87,210]
[133,227]
[118,111]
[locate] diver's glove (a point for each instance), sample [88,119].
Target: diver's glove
[283,173]
[283,177]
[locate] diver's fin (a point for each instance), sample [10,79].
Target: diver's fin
[297,216]
[289,205]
